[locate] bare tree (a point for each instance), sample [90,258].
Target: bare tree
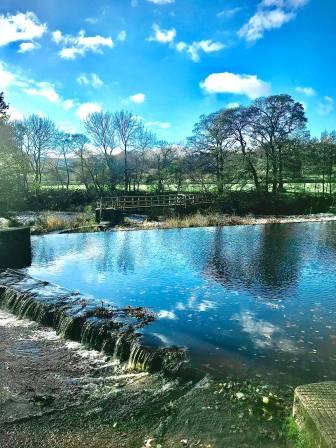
[65,145]
[126,126]
[164,154]
[100,128]
[79,147]
[37,136]
[144,142]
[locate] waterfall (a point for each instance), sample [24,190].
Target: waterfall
[74,317]
[140,357]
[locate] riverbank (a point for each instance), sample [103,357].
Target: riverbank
[52,387]
[62,222]
[218,220]
[57,394]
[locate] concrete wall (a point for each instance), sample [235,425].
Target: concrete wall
[15,247]
[114,217]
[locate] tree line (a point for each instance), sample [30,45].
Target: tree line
[262,146]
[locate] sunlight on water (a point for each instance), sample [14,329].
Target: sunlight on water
[247,300]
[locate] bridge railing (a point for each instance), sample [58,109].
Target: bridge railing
[149,201]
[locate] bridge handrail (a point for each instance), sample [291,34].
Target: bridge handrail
[168,199]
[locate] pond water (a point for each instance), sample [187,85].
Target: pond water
[253,301]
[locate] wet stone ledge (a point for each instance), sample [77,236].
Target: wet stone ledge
[114,331]
[315,413]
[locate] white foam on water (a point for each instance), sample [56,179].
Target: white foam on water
[9,320]
[46,334]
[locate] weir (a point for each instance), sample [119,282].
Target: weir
[116,332]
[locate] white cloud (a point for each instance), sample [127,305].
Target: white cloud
[226,82]
[297,3]
[67,126]
[158,124]
[57,36]
[162,36]
[90,79]
[264,334]
[304,105]
[86,109]
[232,105]
[10,80]
[165,314]
[161,2]
[122,36]
[68,104]
[271,14]
[206,46]
[276,3]
[263,21]
[138,98]
[308,91]
[44,89]
[326,106]
[193,49]
[6,77]
[96,81]
[91,20]
[73,46]
[228,13]
[15,114]
[25,47]
[19,27]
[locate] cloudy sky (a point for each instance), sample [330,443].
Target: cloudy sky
[168,61]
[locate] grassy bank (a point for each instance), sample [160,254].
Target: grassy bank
[49,221]
[231,208]
[52,223]
[230,202]
[214,220]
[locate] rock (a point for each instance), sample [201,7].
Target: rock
[240,395]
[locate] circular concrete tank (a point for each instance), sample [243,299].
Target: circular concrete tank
[15,247]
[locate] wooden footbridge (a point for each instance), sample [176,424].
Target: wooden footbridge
[108,208]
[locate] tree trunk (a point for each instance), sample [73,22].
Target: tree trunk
[125,169]
[267,173]
[281,183]
[67,172]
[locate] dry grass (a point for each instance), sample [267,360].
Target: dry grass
[52,223]
[213,220]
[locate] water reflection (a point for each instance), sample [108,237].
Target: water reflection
[248,300]
[266,257]
[278,259]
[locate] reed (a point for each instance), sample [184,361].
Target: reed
[213,220]
[52,223]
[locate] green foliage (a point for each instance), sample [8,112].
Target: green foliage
[261,203]
[238,153]
[3,107]
[297,438]
[60,200]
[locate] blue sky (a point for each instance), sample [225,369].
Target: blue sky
[168,61]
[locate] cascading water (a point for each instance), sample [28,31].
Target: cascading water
[74,317]
[140,357]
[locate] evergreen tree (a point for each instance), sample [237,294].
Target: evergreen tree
[3,107]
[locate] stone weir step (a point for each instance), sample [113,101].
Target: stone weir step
[114,331]
[315,413]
